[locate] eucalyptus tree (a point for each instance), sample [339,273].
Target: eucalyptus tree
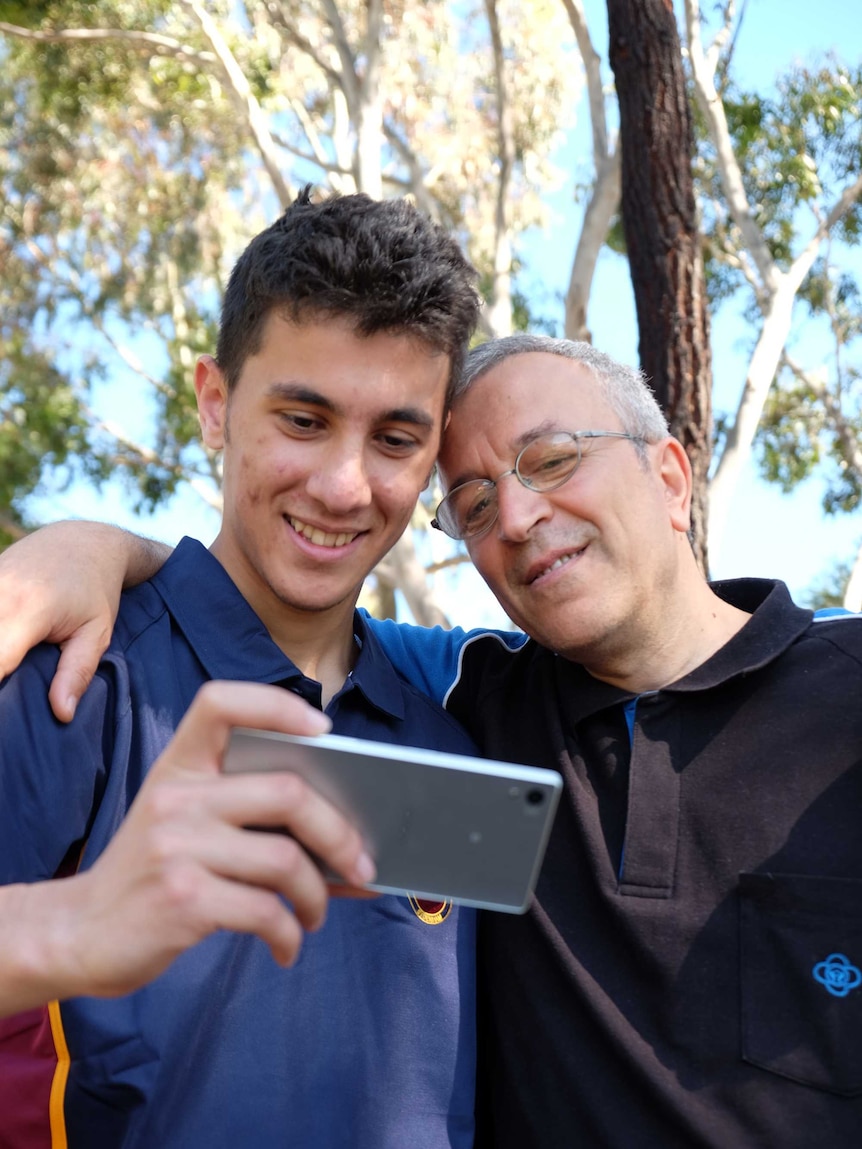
[781,177]
[144,142]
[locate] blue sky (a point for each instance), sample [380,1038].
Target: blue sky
[771,534]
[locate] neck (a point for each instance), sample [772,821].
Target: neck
[319,643]
[701,627]
[325,652]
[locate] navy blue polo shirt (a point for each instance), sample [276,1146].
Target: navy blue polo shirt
[369,1041]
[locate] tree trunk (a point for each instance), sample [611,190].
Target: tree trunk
[660,223]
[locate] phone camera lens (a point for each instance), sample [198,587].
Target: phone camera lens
[535,797]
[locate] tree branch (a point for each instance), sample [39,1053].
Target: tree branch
[402,569]
[604,197]
[145,42]
[244,99]
[148,455]
[500,310]
[11,528]
[278,19]
[592,69]
[349,81]
[731,176]
[418,186]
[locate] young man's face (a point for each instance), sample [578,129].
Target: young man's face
[328,439]
[586,568]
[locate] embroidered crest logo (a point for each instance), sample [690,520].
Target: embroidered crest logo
[431,913]
[838,975]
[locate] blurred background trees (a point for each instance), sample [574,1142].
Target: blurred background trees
[143,142]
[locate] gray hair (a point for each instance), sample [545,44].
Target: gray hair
[625,389]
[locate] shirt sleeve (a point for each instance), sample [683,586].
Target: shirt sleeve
[430,657]
[52,775]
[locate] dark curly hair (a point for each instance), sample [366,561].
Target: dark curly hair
[381,264]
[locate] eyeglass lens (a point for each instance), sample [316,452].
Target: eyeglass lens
[543,464]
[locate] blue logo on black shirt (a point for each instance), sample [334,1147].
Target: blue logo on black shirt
[838,975]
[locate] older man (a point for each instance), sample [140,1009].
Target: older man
[691,970]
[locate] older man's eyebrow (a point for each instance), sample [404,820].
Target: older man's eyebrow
[549,427]
[302,393]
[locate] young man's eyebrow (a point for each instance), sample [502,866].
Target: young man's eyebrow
[301,393]
[414,415]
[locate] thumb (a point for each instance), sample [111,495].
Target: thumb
[202,735]
[79,659]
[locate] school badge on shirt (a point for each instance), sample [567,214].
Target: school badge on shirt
[431,912]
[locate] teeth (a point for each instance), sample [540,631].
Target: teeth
[560,562]
[321,538]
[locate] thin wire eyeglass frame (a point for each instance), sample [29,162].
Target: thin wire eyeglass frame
[446,518]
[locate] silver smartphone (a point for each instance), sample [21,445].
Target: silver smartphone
[440,826]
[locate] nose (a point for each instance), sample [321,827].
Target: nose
[341,482]
[519,509]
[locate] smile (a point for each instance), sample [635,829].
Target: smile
[321,538]
[556,564]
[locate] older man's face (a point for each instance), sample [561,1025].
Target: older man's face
[586,568]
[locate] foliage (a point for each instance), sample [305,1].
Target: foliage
[800,435]
[813,423]
[793,149]
[137,158]
[133,171]
[828,591]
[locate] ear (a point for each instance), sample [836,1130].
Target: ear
[211,392]
[674,470]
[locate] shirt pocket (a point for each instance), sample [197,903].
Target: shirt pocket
[801,978]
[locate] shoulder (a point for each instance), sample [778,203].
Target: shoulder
[824,660]
[24,693]
[432,658]
[140,608]
[51,774]
[841,629]
[428,724]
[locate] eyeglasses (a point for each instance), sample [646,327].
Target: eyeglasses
[544,464]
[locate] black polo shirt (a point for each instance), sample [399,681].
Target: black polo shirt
[690,973]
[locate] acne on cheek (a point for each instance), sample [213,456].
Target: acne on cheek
[251,492]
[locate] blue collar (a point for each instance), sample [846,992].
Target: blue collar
[231,642]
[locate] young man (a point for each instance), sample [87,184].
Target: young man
[344,326]
[690,973]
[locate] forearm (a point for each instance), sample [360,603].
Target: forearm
[132,557]
[144,557]
[43,558]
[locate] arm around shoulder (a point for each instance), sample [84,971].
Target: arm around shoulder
[62,584]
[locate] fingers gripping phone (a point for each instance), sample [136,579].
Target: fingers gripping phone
[437,825]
